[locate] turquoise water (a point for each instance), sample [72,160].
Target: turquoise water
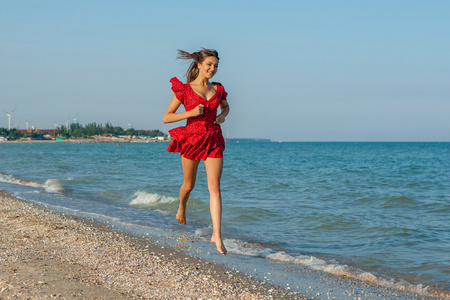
[368,209]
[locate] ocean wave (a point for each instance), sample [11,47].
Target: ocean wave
[401,201]
[243,248]
[11,179]
[143,198]
[50,186]
[53,186]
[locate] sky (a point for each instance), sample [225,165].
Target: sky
[293,70]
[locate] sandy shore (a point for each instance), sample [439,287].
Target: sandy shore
[45,254]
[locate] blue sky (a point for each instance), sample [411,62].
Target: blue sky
[294,70]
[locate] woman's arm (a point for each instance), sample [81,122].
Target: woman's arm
[172,116]
[225,109]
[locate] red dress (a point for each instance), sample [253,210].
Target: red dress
[200,138]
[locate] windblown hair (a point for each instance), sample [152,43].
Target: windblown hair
[198,58]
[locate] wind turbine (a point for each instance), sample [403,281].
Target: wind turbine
[9,114]
[75,120]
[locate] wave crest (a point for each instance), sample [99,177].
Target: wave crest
[50,186]
[317,264]
[143,198]
[53,186]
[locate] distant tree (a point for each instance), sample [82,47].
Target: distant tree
[93,129]
[4,132]
[131,131]
[108,128]
[77,130]
[36,135]
[118,131]
[14,134]
[154,133]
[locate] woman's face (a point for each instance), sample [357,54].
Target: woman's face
[208,68]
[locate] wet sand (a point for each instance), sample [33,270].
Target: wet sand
[46,254]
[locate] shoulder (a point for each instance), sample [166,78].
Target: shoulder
[218,84]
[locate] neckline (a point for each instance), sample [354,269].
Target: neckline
[207,100]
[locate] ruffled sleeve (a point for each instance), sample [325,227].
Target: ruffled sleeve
[224,94]
[178,89]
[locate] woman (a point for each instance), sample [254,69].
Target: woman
[201,138]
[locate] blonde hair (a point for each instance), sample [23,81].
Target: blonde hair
[198,58]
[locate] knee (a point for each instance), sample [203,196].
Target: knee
[187,187]
[214,187]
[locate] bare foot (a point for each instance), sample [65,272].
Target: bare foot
[181,214]
[220,246]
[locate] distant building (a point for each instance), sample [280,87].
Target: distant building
[47,131]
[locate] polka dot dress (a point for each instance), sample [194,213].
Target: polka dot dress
[200,138]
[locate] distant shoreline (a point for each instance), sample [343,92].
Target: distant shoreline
[249,140]
[84,140]
[123,140]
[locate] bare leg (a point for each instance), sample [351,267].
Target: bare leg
[190,167]
[213,168]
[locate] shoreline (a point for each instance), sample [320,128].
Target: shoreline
[82,141]
[47,254]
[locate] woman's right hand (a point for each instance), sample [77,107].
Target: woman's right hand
[198,110]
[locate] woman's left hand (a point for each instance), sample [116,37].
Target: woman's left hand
[219,120]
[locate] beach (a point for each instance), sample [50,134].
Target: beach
[45,254]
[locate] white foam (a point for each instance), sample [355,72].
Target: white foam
[143,198]
[243,248]
[314,263]
[281,256]
[202,232]
[11,179]
[311,262]
[53,186]
[367,277]
[50,186]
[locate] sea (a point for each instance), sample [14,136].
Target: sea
[369,211]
